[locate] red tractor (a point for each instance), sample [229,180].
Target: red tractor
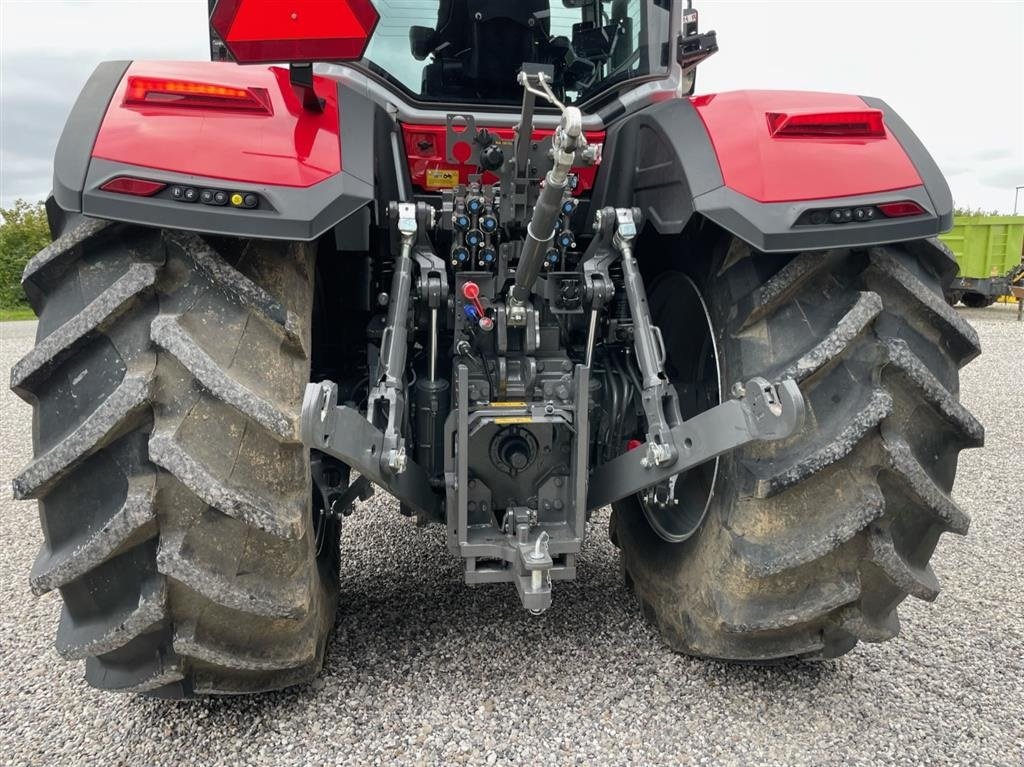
[498,260]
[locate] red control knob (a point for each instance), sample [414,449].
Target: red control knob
[471,292]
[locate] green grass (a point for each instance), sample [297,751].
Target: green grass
[17,313]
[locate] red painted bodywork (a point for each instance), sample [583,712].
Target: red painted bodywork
[790,168]
[426,150]
[295,147]
[291,147]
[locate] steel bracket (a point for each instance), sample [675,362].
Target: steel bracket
[765,412]
[343,433]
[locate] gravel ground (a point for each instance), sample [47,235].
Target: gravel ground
[425,670]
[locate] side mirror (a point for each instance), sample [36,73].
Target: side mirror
[694,47]
[421,42]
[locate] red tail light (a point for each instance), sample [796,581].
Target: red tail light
[900,209]
[865,123]
[139,187]
[148,91]
[266,31]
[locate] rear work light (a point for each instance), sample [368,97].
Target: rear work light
[138,187]
[862,123]
[294,31]
[158,92]
[901,209]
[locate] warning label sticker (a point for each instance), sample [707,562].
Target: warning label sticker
[442,178]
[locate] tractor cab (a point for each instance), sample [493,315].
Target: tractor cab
[471,51]
[476,48]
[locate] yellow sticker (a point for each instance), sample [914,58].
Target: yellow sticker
[511,419]
[506,404]
[442,178]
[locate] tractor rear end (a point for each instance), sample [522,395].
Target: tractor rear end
[508,285]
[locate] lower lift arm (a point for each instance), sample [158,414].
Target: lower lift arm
[373,445]
[765,412]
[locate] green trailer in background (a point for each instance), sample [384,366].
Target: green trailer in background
[988,250]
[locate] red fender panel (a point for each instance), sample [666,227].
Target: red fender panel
[282,145]
[770,168]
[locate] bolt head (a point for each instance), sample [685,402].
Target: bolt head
[398,461]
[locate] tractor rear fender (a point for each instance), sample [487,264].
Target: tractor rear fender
[716,156]
[297,171]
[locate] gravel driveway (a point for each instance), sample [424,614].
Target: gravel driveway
[425,670]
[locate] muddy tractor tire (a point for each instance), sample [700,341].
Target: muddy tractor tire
[809,544]
[174,491]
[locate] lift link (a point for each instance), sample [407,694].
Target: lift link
[661,406]
[373,445]
[432,285]
[761,411]
[387,401]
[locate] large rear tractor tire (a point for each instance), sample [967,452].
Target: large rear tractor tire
[809,544]
[174,491]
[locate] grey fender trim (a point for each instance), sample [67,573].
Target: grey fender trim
[662,160]
[768,227]
[927,168]
[74,149]
[285,213]
[658,159]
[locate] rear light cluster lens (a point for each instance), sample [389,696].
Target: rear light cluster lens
[862,123]
[156,92]
[141,187]
[860,214]
[900,209]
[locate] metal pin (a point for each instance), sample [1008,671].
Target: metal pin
[591,333]
[433,345]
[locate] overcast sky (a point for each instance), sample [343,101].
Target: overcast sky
[953,70]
